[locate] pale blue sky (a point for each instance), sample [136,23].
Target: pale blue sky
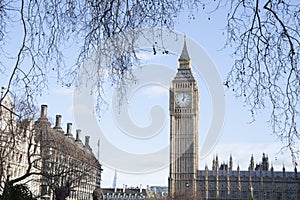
[239,137]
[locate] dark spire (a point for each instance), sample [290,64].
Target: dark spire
[252,162]
[230,162]
[214,164]
[184,53]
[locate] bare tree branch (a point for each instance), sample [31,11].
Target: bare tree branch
[266,69]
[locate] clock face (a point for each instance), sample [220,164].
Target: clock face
[183,99]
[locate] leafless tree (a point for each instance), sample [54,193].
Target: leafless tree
[265,35]
[17,145]
[66,168]
[266,41]
[36,153]
[41,31]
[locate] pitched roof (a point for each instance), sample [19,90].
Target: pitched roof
[184,53]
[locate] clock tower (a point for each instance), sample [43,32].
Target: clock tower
[184,111]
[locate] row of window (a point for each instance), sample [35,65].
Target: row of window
[256,185]
[247,195]
[184,85]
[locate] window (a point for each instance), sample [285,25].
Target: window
[223,194]
[20,158]
[233,194]
[279,196]
[245,195]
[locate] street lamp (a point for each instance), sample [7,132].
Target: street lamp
[187,185]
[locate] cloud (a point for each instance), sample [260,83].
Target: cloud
[144,56]
[68,91]
[155,91]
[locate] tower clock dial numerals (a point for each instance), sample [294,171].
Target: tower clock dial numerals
[183,99]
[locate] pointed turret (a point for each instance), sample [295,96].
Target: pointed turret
[114,184]
[230,162]
[217,162]
[184,59]
[265,162]
[184,53]
[252,163]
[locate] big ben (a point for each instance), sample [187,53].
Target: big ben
[184,114]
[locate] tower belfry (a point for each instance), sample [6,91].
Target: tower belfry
[184,112]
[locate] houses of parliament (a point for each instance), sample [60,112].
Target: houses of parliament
[186,181]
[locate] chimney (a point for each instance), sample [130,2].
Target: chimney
[69,129]
[58,122]
[78,133]
[87,141]
[124,188]
[43,111]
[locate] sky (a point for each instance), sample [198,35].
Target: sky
[240,137]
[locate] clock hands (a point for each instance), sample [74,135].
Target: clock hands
[183,99]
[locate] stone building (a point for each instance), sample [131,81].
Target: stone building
[67,163]
[16,142]
[184,101]
[158,191]
[124,193]
[57,164]
[258,182]
[222,182]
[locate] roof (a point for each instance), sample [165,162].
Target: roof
[234,173]
[64,143]
[121,194]
[184,53]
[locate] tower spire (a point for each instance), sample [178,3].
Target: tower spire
[184,53]
[183,176]
[114,185]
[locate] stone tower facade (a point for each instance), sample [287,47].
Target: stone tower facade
[184,111]
[259,181]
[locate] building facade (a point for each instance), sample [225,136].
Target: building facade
[222,182]
[49,160]
[258,182]
[124,193]
[16,142]
[67,164]
[158,191]
[184,101]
